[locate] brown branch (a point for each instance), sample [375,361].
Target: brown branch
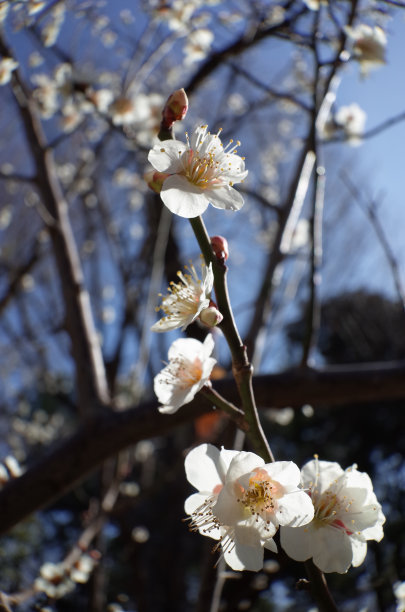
[91,381]
[73,459]
[247,40]
[15,283]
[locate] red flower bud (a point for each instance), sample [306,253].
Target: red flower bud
[154,180]
[220,247]
[175,108]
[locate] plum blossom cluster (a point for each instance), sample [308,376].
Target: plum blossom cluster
[58,579]
[324,513]
[241,502]
[67,92]
[199,172]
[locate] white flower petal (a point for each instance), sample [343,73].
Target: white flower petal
[243,464]
[297,542]
[333,550]
[225,509]
[166,156]
[225,197]
[270,545]
[320,472]
[286,473]
[185,347]
[183,198]
[203,468]
[242,557]
[295,509]
[359,550]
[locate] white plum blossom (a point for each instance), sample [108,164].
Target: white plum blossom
[186,300]
[52,93]
[140,114]
[352,120]
[54,580]
[241,502]
[7,66]
[198,45]
[399,592]
[188,370]
[202,171]
[314,5]
[369,44]
[347,514]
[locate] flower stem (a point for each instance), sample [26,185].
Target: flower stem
[220,402]
[319,588]
[241,367]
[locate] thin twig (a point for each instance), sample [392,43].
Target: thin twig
[369,210]
[90,373]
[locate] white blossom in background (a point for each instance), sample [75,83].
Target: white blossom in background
[54,580]
[81,570]
[347,514]
[315,4]
[100,98]
[177,15]
[58,579]
[53,92]
[241,502]
[4,8]
[122,111]
[189,368]
[186,299]
[51,30]
[352,120]
[141,113]
[202,171]
[35,6]
[7,66]
[198,46]
[399,592]
[369,45]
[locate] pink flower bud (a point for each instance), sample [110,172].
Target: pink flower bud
[211,316]
[220,247]
[154,180]
[175,108]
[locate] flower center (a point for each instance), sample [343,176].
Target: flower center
[204,171]
[260,498]
[188,374]
[183,373]
[368,49]
[184,298]
[328,507]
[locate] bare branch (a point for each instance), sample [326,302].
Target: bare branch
[72,460]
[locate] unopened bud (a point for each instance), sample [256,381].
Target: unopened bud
[220,247]
[211,316]
[175,108]
[155,180]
